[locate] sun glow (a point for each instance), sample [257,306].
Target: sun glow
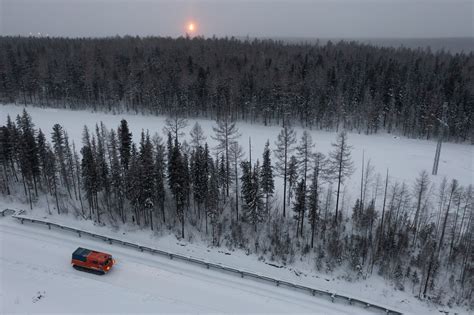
[191,27]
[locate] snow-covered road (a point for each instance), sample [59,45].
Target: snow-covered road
[36,276]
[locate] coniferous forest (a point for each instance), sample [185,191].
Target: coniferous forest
[416,235]
[345,85]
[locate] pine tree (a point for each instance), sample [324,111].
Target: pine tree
[284,144]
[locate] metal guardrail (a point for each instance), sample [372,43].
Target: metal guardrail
[5,212]
[333,296]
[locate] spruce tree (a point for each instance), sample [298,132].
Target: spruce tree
[267,181]
[299,204]
[116,176]
[253,208]
[147,180]
[213,199]
[292,176]
[125,143]
[176,181]
[160,193]
[57,138]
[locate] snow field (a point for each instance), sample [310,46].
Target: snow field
[404,157]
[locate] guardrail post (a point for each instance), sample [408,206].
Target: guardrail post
[22,221]
[278,283]
[49,226]
[332,298]
[350,301]
[110,241]
[241,274]
[79,233]
[313,292]
[171,256]
[207,266]
[141,248]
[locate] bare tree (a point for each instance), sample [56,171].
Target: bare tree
[419,190]
[319,170]
[452,191]
[197,136]
[284,144]
[304,153]
[175,125]
[341,164]
[226,132]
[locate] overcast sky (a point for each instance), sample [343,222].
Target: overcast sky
[262,18]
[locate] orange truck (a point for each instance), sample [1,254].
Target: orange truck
[92,261]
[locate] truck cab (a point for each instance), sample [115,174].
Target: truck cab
[93,261]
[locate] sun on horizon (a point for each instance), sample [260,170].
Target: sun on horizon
[191,27]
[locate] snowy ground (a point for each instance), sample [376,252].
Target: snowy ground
[374,290]
[36,277]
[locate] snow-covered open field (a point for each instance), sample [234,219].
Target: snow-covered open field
[36,277]
[404,157]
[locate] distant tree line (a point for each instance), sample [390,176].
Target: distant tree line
[418,236]
[345,85]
